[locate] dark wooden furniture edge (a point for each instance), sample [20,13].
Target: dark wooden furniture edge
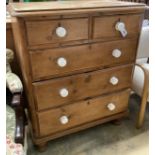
[17,105]
[146,13]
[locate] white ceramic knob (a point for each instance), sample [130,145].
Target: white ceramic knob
[114,80]
[61,32]
[120,26]
[116,53]
[62,62]
[64,119]
[111,106]
[64,92]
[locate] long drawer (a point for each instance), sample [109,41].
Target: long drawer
[63,61]
[56,92]
[78,113]
[56,31]
[105,26]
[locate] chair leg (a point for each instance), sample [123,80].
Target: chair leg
[142,111]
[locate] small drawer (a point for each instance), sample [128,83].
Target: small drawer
[56,31]
[65,61]
[60,91]
[118,26]
[79,113]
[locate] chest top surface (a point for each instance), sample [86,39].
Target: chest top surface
[34,8]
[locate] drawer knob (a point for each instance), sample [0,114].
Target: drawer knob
[114,80]
[111,106]
[64,119]
[116,53]
[64,92]
[120,26]
[62,62]
[61,32]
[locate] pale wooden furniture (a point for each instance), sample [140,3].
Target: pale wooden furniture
[141,74]
[77,59]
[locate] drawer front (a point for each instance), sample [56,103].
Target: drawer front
[78,113]
[105,27]
[63,61]
[56,31]
[56,92]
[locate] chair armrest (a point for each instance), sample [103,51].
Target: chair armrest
[17,105]
[14,83]
[20,126]
[16,100]
[146,72]
[146,79]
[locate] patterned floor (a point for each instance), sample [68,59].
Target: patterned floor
[105,139]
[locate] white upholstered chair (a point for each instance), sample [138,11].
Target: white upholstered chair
[141,74]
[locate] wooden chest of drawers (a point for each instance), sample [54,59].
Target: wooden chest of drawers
[77,59]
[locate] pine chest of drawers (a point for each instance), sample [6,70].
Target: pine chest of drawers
[77,59]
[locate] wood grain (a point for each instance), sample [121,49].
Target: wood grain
[81,112]
[75,7]
[68,5]
[81,58]
[22,56]
[105,26]
[80,86]
[43,32]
